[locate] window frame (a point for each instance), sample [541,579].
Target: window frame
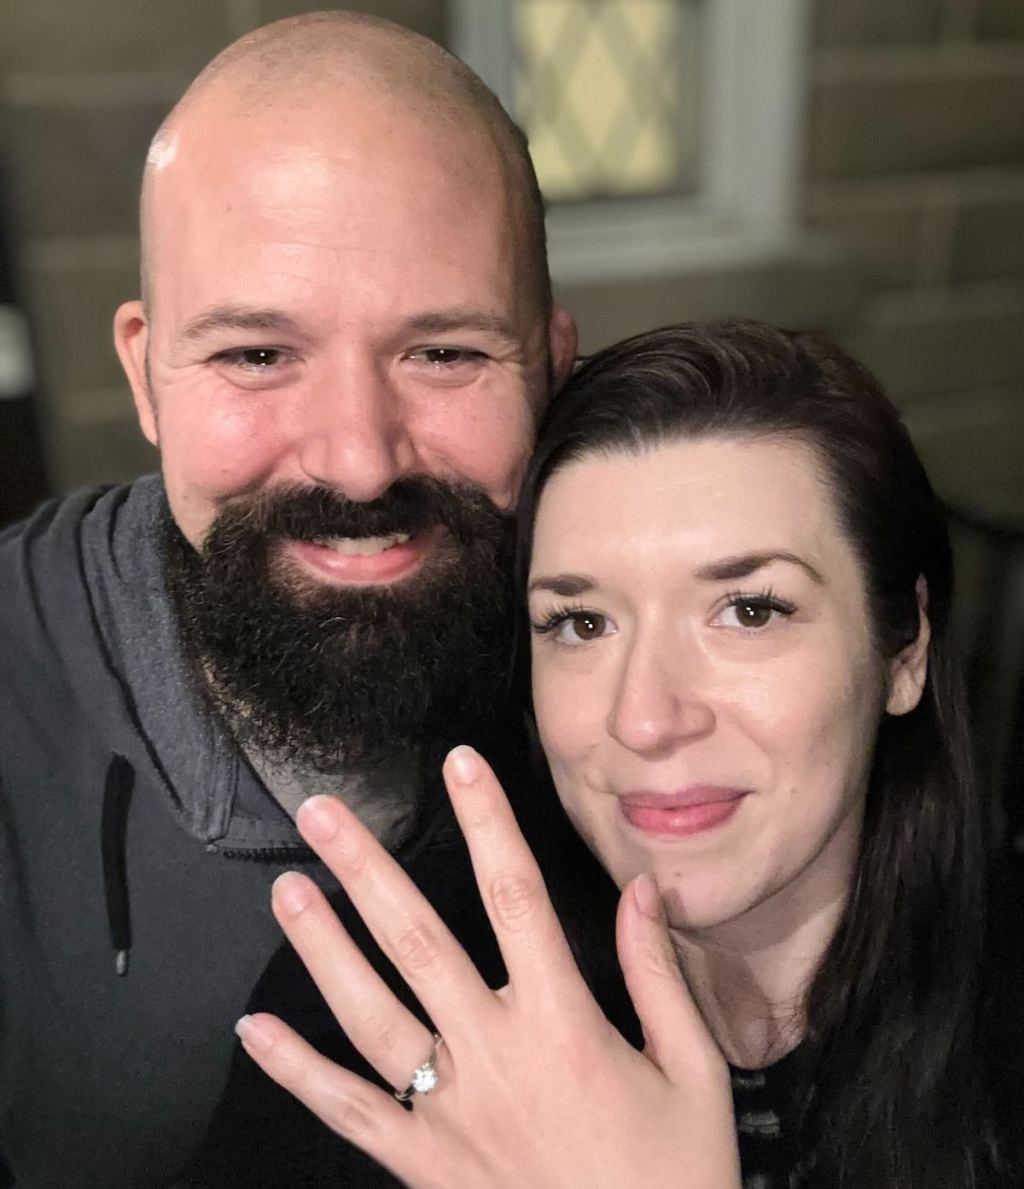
[746,206]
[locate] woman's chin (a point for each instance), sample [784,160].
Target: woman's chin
[692,901]
[696,910]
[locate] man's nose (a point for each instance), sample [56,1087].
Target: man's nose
[659,703]
[355,436]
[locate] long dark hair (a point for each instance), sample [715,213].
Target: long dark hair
[891,1011]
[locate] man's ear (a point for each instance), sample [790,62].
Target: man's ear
[909,668]
[131,338]
[563,339]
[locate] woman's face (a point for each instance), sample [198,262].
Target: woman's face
[705,683]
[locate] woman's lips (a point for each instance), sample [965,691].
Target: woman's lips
[690,811]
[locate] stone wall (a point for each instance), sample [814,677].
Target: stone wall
[915,158]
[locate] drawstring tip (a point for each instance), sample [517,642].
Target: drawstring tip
[121,962]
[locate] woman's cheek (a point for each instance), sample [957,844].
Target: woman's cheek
[568,714]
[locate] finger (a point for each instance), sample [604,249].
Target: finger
[350,1106]
[532,942]
[386,1033]
[402,922]
[678,1040]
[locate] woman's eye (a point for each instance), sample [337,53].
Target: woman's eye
[577,627]
[753,613]
[586,626]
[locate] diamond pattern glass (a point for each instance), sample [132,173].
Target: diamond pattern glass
[608,93]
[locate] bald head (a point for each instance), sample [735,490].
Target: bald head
[344,273]
[352,64]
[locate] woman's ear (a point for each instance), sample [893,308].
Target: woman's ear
[909,668]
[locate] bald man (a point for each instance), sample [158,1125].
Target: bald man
[345,336]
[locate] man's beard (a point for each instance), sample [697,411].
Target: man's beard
[311,673]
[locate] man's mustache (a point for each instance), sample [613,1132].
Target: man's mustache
[313,514]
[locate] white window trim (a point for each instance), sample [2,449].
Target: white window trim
[755,60]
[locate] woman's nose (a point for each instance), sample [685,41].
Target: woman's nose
[659,703]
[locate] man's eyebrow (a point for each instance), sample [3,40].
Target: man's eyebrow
[745,564]
[566,585]
[237,317]
[453,321]
[241,317]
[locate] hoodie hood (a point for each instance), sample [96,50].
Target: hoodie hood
[113,622]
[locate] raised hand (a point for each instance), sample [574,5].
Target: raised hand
[533,1086]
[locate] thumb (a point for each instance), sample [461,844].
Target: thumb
[678,1040]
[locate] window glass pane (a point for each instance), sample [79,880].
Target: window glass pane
[608,93]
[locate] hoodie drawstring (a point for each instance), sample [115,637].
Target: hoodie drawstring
[117,796]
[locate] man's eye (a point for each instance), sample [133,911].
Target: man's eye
[256,358]
[447,356]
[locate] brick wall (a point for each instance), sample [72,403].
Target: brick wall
[915,160]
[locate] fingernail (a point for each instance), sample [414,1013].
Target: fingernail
[318,819]
[254,1034]
[291,892]
[648,898]
[464,764]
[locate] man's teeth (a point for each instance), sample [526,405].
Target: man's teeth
[364,546]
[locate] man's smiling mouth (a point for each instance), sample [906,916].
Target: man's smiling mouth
[363,546]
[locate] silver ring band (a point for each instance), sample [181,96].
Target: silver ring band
[424,1077]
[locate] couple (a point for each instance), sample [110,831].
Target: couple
[734,590]
[736,582]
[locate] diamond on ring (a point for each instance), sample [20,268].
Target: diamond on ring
[424,1077]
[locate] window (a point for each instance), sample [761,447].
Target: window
[609,94]
[664,132]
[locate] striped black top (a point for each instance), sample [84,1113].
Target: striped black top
[766,1105]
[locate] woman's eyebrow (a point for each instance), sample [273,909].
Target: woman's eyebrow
[566,585]
[743,564]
